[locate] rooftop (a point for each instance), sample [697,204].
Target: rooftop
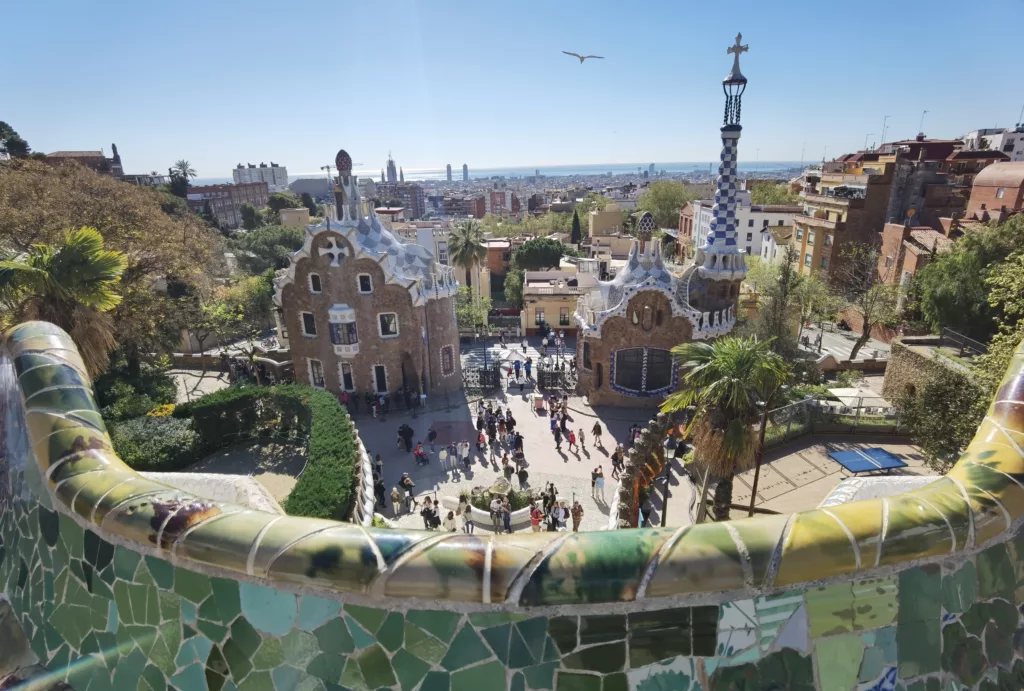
[74,154]
[1001,175]
[926,238]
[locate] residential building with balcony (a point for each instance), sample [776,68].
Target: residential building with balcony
[274,175]
[549,300]
[226,201]
[1007,140]
[408,193]
[751,219]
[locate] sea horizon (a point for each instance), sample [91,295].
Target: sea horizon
[566,170]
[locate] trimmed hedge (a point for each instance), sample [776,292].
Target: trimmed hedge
[288,411]
[155,443]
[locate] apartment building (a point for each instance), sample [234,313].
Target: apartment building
[226,200]
[274,175]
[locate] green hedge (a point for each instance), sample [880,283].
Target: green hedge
[155,443]
[326,487]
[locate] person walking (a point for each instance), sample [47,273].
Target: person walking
[561,516]
[528,366]
[558,439]
[536,516]
[597,435]
[564,423]
[600,484]
[396,501]
[378,465]
[577,516]
[379,491]
[645,513]
[583,439]
[449,522]
[523,476]
[431,436]
[407,484]
[618,456]
[572,442]
[593,483]
[467,521]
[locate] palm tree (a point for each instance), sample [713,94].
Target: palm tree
[724,382]
[71,284]
[466,247]
[184,169]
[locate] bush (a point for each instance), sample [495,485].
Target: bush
[165,410]
[155,443]
[325,488]
[127,403]
[151,380]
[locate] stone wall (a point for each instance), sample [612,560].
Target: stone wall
[911,365]
[117,582]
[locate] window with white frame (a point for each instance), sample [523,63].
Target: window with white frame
[563,316]
[799,233]
[365,284]
[348,382]
[314,284]
[387,324]
[344,333]
[1000,191]
[308,324]
[810,237]
[538,318]
[316,374]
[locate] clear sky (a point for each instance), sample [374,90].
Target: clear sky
[220,82]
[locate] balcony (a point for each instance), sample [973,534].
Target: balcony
[346,350]
[829,199]
[812,222]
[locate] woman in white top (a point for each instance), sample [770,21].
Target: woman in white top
[449,522]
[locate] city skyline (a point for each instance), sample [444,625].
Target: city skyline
[651,99]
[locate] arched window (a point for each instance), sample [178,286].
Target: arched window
[657,318]
[599,378]
[648,319]
[642,370]
[586,355]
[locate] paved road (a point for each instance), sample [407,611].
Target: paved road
[840,343]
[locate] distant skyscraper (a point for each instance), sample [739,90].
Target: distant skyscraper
[392,170]
[465,173]
[651,169]
[382,176]
[449,172]
[401,175]
[536,172]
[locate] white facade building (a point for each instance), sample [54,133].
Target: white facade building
[274,175]
[1009,140]
[750,221]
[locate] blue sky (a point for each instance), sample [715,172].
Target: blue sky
[480,82]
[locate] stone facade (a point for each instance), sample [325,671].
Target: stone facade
[912,363]
[405,357]
[620,333]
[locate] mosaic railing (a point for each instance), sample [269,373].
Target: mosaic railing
[121,582]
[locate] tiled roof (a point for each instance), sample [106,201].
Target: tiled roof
[75,154]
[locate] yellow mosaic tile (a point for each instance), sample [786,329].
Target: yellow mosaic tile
[704,558]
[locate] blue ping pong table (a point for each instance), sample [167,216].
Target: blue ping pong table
[867,460]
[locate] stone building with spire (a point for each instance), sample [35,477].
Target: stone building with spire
[363,310]
[626,326]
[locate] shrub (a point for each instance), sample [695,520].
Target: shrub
[127,403]
[151,380]
[165,410]
[154,443]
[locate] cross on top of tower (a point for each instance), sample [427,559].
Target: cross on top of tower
[735,76]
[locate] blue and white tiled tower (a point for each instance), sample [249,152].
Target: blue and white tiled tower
[720,258]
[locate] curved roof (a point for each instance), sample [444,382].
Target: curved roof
[1001,175]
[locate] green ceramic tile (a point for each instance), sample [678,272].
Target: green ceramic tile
[488,619]
[518,682]
[423,645]
[352,677]
[839,659]
[360,637]
[996,577]
[575,681]
[465,650]
[391,633]
[487,676]
[376,667]
[497,638]
[519,653]
[565,632]
[153,678]
[268,609]
[194,587]
[960,588]
[257,681]
[605,658]
[245,636]
[436,681]
[441,624]
[269,655]
[368,617]
[225,594]
[541,676]
[659,635]
[215,632]
[334,637]
[601,629]
[162,572]
[962,655]
[532,631]
[237,658]
[299,648]
[409,668]
[617,682]
[314,612]
[328,666]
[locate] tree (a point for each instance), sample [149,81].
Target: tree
[768,193]
[178,186]
[540,254]
[577,234]
[592,202]
[307,201]
[267,248]
[943,416]
[724,382]
[184,169]
[72,284]
[12,143]
[664,199]
[471,313]
[776,310]
[856,277]
[816,300]
[466,248]
[159,238]
[283,200]
[251,218]
[514,286]
[1005,284]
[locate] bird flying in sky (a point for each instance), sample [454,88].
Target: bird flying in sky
[583,57]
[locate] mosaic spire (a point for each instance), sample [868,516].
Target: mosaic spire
[720,257]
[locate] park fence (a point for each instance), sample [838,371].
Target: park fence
[861,415]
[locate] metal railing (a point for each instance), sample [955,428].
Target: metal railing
[826,416]
[968,346]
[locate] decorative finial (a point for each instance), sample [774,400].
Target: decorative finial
[736,77]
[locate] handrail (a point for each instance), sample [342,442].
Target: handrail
[978,502]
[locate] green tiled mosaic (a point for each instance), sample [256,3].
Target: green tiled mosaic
[100,616]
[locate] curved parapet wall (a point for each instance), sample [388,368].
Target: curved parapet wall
[118,580]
